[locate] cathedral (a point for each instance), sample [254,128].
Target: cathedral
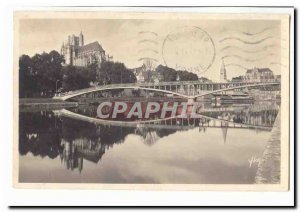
[78,54]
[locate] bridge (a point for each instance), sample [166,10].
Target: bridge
[185,89]
[205,121]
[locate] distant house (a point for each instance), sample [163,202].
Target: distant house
[138,72]
[144,75]
[259,75]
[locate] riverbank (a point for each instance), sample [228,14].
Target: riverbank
[269,166]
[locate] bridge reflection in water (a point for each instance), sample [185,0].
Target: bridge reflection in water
[76,135]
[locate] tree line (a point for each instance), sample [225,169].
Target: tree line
[43,75]
[169,74]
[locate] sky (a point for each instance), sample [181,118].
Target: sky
[196,45]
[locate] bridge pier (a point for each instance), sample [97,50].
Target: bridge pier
[191,101]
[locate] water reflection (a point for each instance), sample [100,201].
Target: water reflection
[44,134]
[260,114]
[263,114]
[77,144]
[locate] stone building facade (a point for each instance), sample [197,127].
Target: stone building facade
[78,54]
[259,75]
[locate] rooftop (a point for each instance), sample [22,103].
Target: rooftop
[95,46]
[260,70]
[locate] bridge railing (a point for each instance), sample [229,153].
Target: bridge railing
[97,87]
[228,85]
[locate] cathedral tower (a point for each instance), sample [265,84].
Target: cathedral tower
[81,39]
[78,54]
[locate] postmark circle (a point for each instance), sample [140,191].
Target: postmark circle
[189,48]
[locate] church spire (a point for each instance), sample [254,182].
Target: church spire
[223,75]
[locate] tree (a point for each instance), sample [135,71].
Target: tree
[77,77]
[115,72]
[237,79]
[38,75]
[48,68]
[92,71]
[27,81]
[167,74]
[187,76]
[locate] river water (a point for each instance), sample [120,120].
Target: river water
[54,148]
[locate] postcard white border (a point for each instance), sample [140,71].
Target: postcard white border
[161,194]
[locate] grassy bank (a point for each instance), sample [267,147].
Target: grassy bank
[38,104]
[38,100]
